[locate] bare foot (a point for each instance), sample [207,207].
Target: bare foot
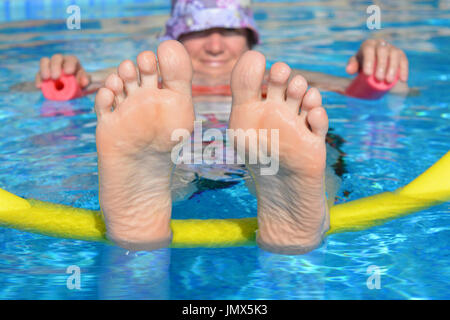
[292,205]
[135,124]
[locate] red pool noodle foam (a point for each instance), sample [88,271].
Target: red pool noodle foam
[64,88]
[368,87]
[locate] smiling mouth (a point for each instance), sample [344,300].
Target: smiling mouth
[214,63]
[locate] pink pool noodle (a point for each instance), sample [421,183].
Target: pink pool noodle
[368,87]
[64,88]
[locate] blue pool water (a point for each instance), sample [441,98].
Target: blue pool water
[388,142]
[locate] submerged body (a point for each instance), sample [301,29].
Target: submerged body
[213,112]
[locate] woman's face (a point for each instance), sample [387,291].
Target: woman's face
[214,52]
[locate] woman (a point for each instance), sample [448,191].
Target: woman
[136,121]
[216,35]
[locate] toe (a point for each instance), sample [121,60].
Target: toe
[313,113]
[318,121]
[103,102]
[247,77]
[295,92]
[312,99]
[148,71]
[127,72]
[279,76]
[175,66]
[115,84]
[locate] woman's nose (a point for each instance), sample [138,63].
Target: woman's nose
[214,44]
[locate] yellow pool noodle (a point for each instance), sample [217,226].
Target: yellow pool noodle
[430,188]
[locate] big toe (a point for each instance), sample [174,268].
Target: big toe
[175,66]
[247,77]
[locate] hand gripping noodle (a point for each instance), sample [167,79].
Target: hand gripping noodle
[430,188]
[64,88]
[368,87]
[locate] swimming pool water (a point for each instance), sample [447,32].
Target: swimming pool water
[52,157]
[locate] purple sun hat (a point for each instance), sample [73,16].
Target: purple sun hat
[197,15]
